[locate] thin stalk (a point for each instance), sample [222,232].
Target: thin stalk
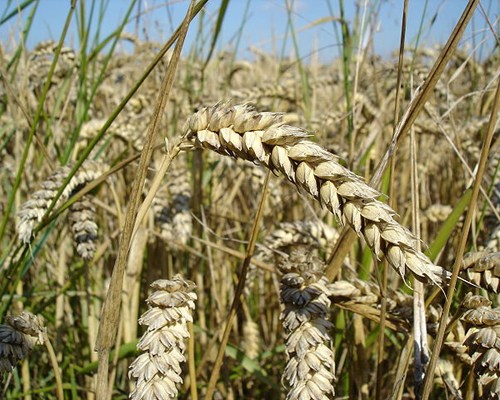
[111,308]
[237,295]
[422,95]
[421,351]
[346,59]
[55,368]
[192,363]
[429,378]
[383,305]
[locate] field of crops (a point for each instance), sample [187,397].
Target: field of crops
[199,225]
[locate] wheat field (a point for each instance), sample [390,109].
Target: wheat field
[195,224]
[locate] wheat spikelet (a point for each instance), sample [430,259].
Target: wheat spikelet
[18,337]
[483,268]
[157,371]
[310,370]
[32,211]
[481,343]
[241,132]
[83,225]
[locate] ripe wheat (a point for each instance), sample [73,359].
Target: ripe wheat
[241,132]
[157,371]
[18,337]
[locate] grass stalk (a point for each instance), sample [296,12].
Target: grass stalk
[111,308]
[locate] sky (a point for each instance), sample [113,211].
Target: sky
[265,24]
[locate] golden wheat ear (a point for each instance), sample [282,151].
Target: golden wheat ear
[310,369]
[33,210]
[481,343]
[240,131]
[483,269]
[82,218]
[157,371]
[172,209]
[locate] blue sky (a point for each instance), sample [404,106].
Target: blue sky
[265,26]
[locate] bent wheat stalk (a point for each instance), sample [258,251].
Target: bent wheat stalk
[261,137]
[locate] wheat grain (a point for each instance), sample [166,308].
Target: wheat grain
[483,268]
[241,132]
[157,371]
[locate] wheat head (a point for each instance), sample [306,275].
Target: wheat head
[261,137]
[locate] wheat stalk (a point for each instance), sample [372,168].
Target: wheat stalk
[242,132]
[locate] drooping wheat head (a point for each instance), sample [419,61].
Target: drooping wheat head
[241,132]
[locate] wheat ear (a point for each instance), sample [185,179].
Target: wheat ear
[310,370]
[157,371]
[83,224]
[171,206]
[33,210]
[481,342]
[241,132]
[18,337]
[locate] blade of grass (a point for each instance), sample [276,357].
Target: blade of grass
[16,10]
[218,27]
